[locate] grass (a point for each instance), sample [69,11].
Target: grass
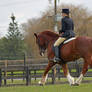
[33,81]
[49,88]
[84,87]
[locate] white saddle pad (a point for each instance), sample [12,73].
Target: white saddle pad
[69,40]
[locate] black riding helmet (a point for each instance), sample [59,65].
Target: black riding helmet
[65,11]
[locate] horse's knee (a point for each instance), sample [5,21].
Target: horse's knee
[65,69]
[90,63]
[86,69]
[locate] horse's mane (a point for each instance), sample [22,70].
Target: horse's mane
[50,33]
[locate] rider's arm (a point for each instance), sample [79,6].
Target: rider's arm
[63,26]
[72,26]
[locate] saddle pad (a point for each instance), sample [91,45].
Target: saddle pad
[70,39]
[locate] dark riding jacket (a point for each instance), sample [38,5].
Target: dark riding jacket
[67,27]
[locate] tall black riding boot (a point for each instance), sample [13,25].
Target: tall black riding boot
[57,56]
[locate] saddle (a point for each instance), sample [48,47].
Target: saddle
[68,40]
[60,46]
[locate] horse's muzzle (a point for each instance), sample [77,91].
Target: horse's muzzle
[42,51]
[42,54]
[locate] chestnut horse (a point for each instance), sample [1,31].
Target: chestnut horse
[81,47]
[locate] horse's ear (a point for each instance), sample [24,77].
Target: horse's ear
[35,35]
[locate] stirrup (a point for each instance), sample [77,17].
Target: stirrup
[57,59]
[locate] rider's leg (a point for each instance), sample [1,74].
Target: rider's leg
[56,47]
[59,41]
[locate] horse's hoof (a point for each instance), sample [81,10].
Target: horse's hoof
[76,84]
[40,83]
[72,84]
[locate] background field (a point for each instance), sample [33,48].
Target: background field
[49,88]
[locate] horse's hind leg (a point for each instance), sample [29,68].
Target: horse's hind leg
[90,62]
[84,70]
[67,74]
[45,74]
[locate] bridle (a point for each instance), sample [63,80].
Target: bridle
[42,48]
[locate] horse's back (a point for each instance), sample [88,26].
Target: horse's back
[77,48]
[83,41]
[84,44]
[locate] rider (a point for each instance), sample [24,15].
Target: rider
[67,31]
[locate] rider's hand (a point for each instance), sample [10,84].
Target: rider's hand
[61,34]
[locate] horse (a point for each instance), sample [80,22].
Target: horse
[80,47]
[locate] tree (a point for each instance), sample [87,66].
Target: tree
[14,38]
[3,44]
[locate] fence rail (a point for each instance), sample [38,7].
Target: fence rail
[34,71]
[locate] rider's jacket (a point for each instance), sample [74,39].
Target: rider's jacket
[67,27]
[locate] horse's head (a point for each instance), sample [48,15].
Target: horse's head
[41,42]
[43,39]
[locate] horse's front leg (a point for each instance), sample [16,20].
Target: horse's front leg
[84,70]
[67,74]
[45,74]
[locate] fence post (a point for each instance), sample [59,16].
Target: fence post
[24,60]
[77,69]
[35,74]
[27,76]
[12,76]
[24,66]
[5,73]
[58,73]
[0,77]
[53,76]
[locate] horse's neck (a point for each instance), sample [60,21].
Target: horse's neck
[49,35]
[51,38]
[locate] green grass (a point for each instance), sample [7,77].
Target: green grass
[49,88]
[84,87]
[14,82]
[62,80]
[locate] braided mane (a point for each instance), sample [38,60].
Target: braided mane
[50,33]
